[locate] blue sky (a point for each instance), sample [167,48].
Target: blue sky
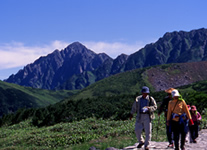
[33,28]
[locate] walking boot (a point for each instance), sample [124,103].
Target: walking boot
[140,145]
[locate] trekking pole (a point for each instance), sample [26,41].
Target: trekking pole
[158,126]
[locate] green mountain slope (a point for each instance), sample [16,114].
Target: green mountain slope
[158,78]
[13,97]
[113,96]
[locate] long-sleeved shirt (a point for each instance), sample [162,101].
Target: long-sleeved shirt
[136,107]
[178,107]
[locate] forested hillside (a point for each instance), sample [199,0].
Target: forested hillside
[14,97]
[116,107]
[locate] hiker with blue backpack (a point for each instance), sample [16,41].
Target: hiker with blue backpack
[144,106]
[177,118]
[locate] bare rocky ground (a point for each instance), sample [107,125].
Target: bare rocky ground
[200,145]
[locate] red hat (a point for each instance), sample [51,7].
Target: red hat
[188,107]
[193,108]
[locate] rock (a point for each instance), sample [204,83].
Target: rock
[112,148]
[92,148]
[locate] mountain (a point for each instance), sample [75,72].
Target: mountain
[76,67]
[158,78]
[54,69]
[108,68]
[14,97]
[175,47]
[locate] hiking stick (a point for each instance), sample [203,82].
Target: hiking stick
[158,126]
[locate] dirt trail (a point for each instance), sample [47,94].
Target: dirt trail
[200,145]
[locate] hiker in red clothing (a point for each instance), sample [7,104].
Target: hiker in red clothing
[196,117]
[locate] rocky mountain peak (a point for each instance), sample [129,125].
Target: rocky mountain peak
[54,69]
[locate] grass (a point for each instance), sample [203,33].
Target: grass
[79,135]
[76,135]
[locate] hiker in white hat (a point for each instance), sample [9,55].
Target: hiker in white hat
[177,117]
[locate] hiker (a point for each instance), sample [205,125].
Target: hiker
[177,116]
[144,106]
[188,136]
[196,117]
[164,107]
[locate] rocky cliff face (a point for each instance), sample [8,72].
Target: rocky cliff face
[175,47]
[54,69]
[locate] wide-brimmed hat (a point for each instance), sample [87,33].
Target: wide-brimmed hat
[175,93]
[145,89]
[193,108]
[169,91]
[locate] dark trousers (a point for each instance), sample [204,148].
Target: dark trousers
[169,134]
[178,131]
[194,130]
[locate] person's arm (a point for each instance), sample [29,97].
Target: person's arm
[199,116]
[185,107]
[133,110]
[161,108]
[153,105]
[169,114]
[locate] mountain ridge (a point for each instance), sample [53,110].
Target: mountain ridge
[49,71]
[77,67]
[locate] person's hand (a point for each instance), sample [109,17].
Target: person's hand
[130,116]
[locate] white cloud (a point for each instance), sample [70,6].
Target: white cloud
[17,54]
[114,49]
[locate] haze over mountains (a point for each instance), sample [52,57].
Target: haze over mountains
[76,67]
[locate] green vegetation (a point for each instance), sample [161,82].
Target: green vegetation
[14,97]
[79,124]
[120,84]
[83,134]
[87,133]
[117,107]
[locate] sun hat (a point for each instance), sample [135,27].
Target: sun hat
[193,108]
[169,90]
[175,93]
[145,89]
